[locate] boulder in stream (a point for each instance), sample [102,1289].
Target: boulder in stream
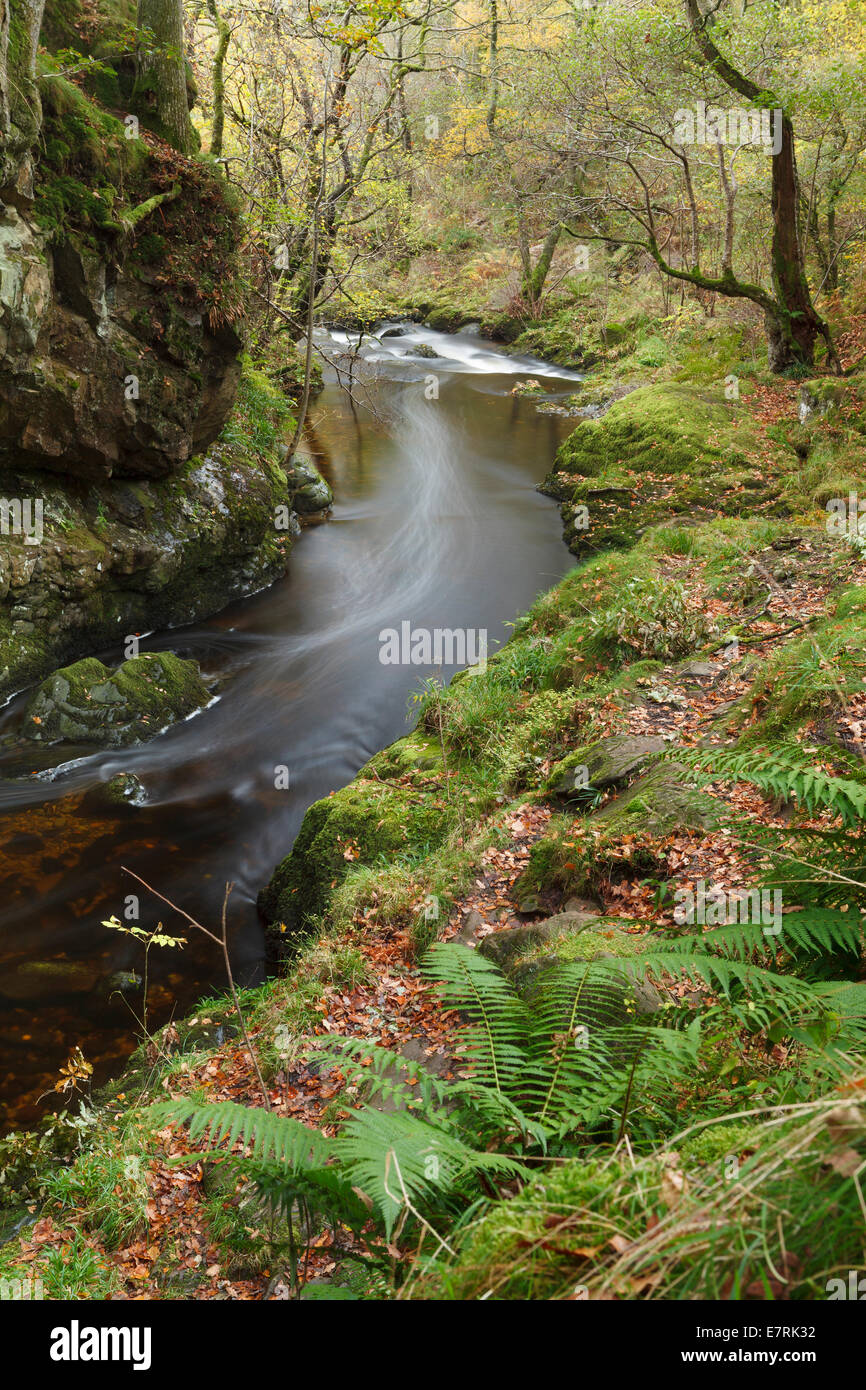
[87,703]
[308,489]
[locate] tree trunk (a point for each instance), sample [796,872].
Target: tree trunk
[798,326]
[493,87]
[224,34]
[160,87]
[793,325]
[534,277]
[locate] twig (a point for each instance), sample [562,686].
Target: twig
[222,942]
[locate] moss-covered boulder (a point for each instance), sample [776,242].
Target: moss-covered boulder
[123,789]
[616,990]
[505,947]
[607,763]
[124,556]
[308,490]
[366,821]
[663,800]
[578,856]
[87,703]
[661,451]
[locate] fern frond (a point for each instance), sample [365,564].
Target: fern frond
[402,1162]
[383,1073]
[812,931]
[263,1134]
[497,1027]
[755,995]
[785,776]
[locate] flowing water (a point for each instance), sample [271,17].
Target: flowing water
[436,522]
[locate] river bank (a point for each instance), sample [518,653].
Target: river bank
[710,627]
[436,518]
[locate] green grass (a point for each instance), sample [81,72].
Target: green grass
[104,1187]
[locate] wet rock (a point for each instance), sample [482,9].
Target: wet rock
[425,350]
[44,979]
[308,490]
[103,372]
[127,981]
[86,703]
[124,789]
[129,557]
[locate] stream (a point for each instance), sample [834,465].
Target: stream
[436,521]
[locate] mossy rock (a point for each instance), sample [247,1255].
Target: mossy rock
[124,789]
[554,868]
[820,397]
[661,801]
[308,490]
[415,753]
[504,947]
[655,805]
[87,703]
[607,763]
[614,993]
[660,451]
[366,821]
[711,1146]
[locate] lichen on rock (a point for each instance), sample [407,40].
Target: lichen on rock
[87,703]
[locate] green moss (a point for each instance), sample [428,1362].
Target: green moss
[658,803]
[364,822]
[715,1143]
[660,451]
[86,157]
[88,703]
[805,680]
[262,421]
[589,944]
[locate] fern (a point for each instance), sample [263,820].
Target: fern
[406,1164]
[392,1163]
[263,1134]
[539,1073]
[784,775]
[497,1027]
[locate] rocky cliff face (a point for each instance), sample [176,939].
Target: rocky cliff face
[125,556]
[122,507]
[104,374]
